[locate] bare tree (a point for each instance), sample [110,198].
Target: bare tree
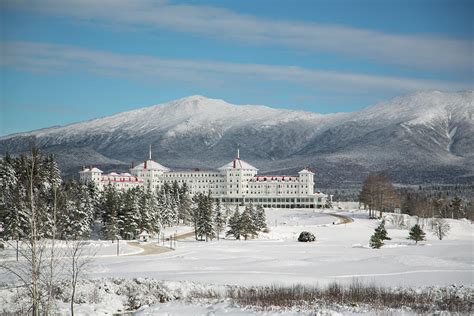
[440,228]
[31,266]
[379,194]
[80,258]
[55,266]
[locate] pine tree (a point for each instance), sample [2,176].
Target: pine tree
[195,212]
[130,216]
[219,219]
[260,219]
[9,218]
[87,207]
[416,234]
[155,226]
[375,241]
[382,232]
[76,212]
[456,208]
[235,228]
[175,192]
[149,214]
[204,218]
[185,205]
[95,196]
[248,228]
[174,210]
[200,217]
[207,218]
[110,206]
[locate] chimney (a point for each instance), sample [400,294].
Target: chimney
[145,165]
[133,164]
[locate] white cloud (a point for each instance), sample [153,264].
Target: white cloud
[417,51]
[32,56]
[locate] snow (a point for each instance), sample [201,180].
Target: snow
[418,108]
[180,117]
[450,135]
[238,164]
[151,165]
[340,253]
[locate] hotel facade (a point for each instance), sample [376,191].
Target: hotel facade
[237,182]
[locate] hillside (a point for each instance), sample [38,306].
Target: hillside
[423,137]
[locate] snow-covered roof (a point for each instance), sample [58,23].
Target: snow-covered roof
[126,174]
[306,170]
[91,170]
[113,174]
[150,165]
[238,163]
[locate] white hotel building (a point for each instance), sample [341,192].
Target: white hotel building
[234,183]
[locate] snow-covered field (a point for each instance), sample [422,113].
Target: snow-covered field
[340,254]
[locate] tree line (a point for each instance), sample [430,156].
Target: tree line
[37,208]
[379,194]
[72,210]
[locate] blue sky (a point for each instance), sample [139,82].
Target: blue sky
[68,61]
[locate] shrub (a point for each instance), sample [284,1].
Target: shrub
[416,234]
[306,237]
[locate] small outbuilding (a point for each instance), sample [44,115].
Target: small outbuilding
[144,236]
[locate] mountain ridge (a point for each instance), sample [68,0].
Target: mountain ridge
[429,131]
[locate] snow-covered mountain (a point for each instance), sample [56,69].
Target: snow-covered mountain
[421,137]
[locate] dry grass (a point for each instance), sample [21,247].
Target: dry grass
[356,294]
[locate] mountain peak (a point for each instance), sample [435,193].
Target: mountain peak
[193,98]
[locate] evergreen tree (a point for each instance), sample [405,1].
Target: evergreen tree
[174,210]
[86,206]
[155,225]
[200,217]
[204,220]
[456,208]
[147,216]
[248,228]
[110,206]
[235,228]
[207,218]
[382,232]
[416,234]
[12,194]
[185,205]
[219,219]
[175,192]
[375,241]
[75,217]
[260,218]
[95,196]
[130,216]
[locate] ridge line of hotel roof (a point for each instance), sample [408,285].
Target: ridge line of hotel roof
[230,165]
